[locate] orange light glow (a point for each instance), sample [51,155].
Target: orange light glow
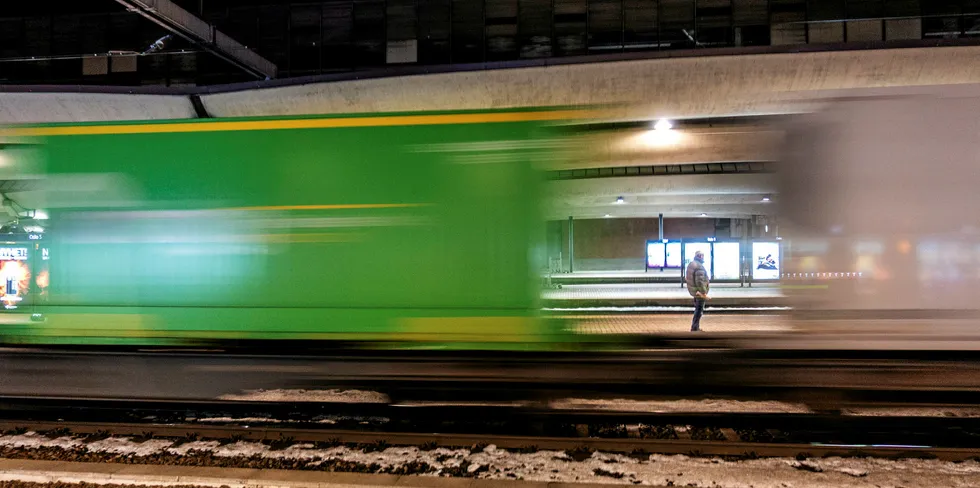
[43,280]
[904,246]
[16,271]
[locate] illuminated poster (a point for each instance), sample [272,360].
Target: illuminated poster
[673,255]
[727,260]
[15,278]
[765,261]
[656,254]
[692,247]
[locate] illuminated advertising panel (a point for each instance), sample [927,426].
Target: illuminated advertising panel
[673,255]
[691,248]
[656,254]
[15,277]
[727,260]
[765,261]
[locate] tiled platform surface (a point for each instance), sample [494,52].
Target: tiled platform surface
[145,474]
[660,295]
[674,323]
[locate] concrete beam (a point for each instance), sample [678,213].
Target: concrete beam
[651,211]
[669,87]
[708,198]
[658,186]
[29,108]
[720,196]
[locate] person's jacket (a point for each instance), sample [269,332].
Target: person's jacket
[696,278]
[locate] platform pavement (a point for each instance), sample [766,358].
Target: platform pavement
[661,295]
[677,323]
[159,475]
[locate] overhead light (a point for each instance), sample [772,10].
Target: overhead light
[620,200]
[704,215]
[665,241]
[607,216]
[662,135]
[767,228]
[40,215]
[766,199]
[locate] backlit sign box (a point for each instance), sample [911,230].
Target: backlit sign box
[13,253]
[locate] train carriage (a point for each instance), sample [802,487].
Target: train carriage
[389,229]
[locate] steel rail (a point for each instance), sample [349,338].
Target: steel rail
[483,420]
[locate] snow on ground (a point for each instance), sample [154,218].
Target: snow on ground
[682,406]
[329,396]
[493,463]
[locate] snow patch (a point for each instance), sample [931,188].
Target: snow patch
[330,396]
[557,466]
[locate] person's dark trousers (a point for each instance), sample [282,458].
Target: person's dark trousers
[698,312]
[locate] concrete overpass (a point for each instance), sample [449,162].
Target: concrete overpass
[645,90]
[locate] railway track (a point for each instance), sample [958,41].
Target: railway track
[706,368]
[735,449]
[715,433]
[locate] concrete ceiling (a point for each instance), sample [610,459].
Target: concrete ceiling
[643,147]
[717,195]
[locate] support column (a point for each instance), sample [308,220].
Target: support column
[571,245]
[660,226]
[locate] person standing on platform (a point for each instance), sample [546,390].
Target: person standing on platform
[697,281]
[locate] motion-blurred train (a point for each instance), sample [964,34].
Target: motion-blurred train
[423,230]
[880,197]
[404,229]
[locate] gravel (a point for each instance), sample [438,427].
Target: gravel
[492,463]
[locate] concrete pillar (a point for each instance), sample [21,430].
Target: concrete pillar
[660,225]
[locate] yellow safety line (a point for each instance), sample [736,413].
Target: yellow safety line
[347,206]
[297,123]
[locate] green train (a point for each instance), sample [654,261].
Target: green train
[382,230]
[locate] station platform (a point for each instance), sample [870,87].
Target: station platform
[673,297]
[720,322]
[617,277]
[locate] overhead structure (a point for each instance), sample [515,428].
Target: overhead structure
[184,24]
